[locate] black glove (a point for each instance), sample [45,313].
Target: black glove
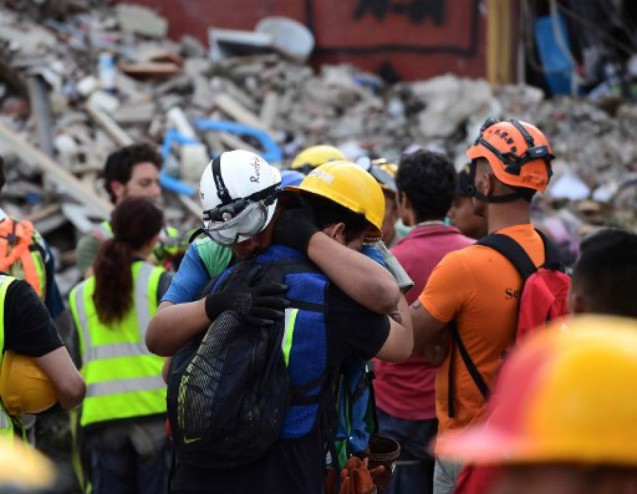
[295,226]
[257,306]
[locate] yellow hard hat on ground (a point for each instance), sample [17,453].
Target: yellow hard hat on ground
[565,395]
[314,156]
[347,184]
[24,387]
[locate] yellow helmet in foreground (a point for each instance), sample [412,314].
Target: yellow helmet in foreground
[23,469]
[566,394]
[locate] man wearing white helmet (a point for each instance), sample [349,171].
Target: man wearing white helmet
[249,180]
[293,463]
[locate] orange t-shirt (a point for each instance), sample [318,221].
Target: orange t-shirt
[479,289]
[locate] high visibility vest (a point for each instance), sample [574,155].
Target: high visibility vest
[123,378]
[170,243]
[22,254]
[6,424]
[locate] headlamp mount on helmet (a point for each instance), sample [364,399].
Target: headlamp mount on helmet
[512,161]
[234,220]
[229,207]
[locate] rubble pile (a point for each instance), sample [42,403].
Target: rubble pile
[79,78]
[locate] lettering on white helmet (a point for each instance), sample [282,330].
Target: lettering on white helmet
[257,170]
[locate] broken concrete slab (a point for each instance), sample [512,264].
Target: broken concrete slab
[141,20]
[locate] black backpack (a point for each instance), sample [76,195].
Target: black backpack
[229,390]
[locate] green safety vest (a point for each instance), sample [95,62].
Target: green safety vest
[171,242]
[6,423]
[123,379]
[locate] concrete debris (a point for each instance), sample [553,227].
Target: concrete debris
[82,82]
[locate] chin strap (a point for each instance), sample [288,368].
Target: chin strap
[473,192]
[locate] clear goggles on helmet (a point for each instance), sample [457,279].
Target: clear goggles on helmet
[241,219]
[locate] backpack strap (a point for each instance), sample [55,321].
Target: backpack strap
[552,257]
[513,251]
[479,381]
[517,256]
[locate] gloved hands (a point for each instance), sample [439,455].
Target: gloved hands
[257,306]
[295,226]
[356,478]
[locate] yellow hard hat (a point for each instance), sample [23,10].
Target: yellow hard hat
[24,387]
[347,184]
[567,394]
[385,173]
[23,468]
[314,156]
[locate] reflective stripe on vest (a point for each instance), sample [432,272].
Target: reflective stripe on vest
[288,335]
[104,231]
[123,378]
[6,425]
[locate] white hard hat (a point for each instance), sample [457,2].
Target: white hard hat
[238,191]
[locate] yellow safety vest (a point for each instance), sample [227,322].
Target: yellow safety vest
[123,378]
[6,423]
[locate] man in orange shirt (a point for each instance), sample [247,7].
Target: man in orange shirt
[476,288]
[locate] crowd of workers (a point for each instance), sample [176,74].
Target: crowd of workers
[387,266]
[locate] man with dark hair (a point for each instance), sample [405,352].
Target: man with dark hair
[461,212]
[131,171]
[320,336]
[405,393]
[604,276]
[475,291]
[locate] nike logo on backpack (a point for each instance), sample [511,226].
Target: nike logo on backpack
[190,441]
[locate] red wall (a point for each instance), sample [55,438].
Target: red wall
[419,38]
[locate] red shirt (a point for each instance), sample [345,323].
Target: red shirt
[406,390]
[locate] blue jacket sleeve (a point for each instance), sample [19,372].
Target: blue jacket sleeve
[189,280]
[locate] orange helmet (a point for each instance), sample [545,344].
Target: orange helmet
[518,152]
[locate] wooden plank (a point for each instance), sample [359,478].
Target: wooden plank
[55,172]
[150,69]
[43,213]
[238,112]
[109,125]
[234,142]
[191,205]
[269,108]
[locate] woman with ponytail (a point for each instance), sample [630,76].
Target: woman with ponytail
[121,425]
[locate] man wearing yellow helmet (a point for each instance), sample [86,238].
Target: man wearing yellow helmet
[349,206]
[314,156]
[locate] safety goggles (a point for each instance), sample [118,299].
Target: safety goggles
[243,225]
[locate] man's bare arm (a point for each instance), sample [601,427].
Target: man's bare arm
[361,278]
[174,325]
[400,341]
[67,381]
[427,331]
